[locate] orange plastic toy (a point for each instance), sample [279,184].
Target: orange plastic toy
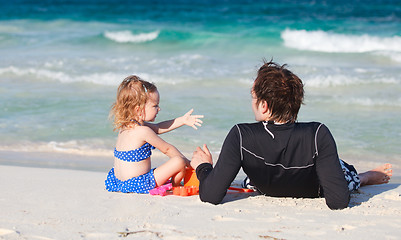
[190,178]
[191,184]
[185,190]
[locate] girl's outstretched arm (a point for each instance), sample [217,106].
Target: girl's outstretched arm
[152,138]
[169,125]
[174,168]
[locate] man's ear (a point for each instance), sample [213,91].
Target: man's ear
[263,106]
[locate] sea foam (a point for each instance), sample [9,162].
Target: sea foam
[105,78]
[333,42]
[100,78]
[87,147]
[129,37]
[339,80]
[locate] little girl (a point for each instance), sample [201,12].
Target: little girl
[137,104]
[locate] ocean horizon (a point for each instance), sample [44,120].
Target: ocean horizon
[62,61]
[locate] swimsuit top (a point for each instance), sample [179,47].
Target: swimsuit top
[135,155]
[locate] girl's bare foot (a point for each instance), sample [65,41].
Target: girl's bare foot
[379,175]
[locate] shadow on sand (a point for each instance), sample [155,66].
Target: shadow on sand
[357,198]
[234,196]
[367,192]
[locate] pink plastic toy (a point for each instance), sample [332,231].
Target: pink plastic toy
[162,190]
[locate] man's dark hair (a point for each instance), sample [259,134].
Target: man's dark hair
[281,89]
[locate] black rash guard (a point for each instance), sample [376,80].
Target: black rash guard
[288,160]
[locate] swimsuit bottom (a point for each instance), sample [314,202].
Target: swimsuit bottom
[351,176]
[140,184]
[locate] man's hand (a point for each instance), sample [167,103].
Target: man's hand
[201,156]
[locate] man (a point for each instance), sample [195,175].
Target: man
[281,157]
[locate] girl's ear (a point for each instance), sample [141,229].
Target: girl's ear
[138,111]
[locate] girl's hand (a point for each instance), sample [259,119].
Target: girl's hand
[192,120]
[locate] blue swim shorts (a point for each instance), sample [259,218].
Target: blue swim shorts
[140,184]
[351,176]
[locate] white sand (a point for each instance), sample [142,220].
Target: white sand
[38,203]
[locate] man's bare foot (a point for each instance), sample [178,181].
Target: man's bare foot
[379,175]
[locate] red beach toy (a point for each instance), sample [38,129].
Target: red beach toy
[191,186]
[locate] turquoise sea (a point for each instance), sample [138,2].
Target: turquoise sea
[61,62]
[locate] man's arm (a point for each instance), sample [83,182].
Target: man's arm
[329,171]
[214,182]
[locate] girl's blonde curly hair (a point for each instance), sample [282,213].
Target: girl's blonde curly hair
[132,95]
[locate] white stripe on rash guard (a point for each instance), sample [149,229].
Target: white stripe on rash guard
[275,165]
[265,125]
[240,141]
[317,130]
[252,153]
[280,165]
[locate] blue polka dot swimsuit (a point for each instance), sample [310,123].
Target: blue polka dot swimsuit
[136,155]
[140,184]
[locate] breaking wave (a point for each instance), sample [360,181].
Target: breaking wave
[333,42]
[129,37]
